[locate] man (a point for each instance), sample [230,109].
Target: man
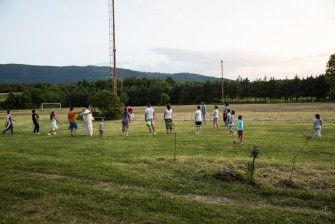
[198,119]
[149,117]
[203,111]
[225,113]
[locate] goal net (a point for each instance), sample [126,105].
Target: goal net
[45,106]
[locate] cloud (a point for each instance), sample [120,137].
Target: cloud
[243,63]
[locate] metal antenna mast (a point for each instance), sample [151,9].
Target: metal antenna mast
[222,90]
[112,50]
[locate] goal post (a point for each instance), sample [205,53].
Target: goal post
[45,106]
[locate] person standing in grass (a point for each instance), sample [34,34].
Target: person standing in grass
[72,118]
[88,121]
[101,127]
[240,129]
[216,119]
[9,123]
[198,120]
[125,120]
[204,111]
[225,113]
[317,126]
[168,116]
[36,121]
[231,121]
[149,117]
[54,126]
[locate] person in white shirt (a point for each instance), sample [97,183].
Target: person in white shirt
[216,119]
[149,117]
[198,120]
[88,121]
[9,123]
[168,116]
[317,126]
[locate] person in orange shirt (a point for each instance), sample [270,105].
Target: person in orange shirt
[72,117]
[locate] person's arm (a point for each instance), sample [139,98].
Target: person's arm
[57,120]
[153,115]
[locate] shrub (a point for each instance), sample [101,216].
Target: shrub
[251,166]
[108,104]
[165,99]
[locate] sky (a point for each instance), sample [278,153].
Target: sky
[276,38]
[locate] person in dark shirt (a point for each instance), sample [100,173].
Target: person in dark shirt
[36,121]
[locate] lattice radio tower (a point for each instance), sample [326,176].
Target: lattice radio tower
[112,50]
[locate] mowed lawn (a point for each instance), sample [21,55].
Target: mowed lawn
[134,179]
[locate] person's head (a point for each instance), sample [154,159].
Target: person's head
[125,110]
[168,107]
[202,103]
[226,104]
[240,117]
[8,111]
[228,110]
[198,107]
[71,108]
[149,105]
[317,116]
[33,111]
[52,114]
[233,112]
[216,107]
[102,120]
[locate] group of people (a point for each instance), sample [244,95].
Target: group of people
[149,117]
[228,119]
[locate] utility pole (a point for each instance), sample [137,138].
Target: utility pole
[222,90]
[112,50]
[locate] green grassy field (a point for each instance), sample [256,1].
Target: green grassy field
[116,179]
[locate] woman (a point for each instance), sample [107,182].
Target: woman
[88,121]
[168,116]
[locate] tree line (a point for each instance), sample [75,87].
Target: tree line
[140,91]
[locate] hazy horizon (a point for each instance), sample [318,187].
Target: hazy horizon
[253,38]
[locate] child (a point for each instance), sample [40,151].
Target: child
[216,118]
[240,129]
[101,127]
[231,120]
[317,126]
[9,123]
[168,116]
[198,120]
[125,119]
[72,118]
[36,122]
[131,113]
[54,120]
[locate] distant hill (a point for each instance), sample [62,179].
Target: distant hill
[19,73]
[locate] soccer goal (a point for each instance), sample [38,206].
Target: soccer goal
[45,106]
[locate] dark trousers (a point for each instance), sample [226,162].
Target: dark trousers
[36,127]
[11,128]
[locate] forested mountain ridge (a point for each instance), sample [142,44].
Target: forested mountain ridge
[20,73]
